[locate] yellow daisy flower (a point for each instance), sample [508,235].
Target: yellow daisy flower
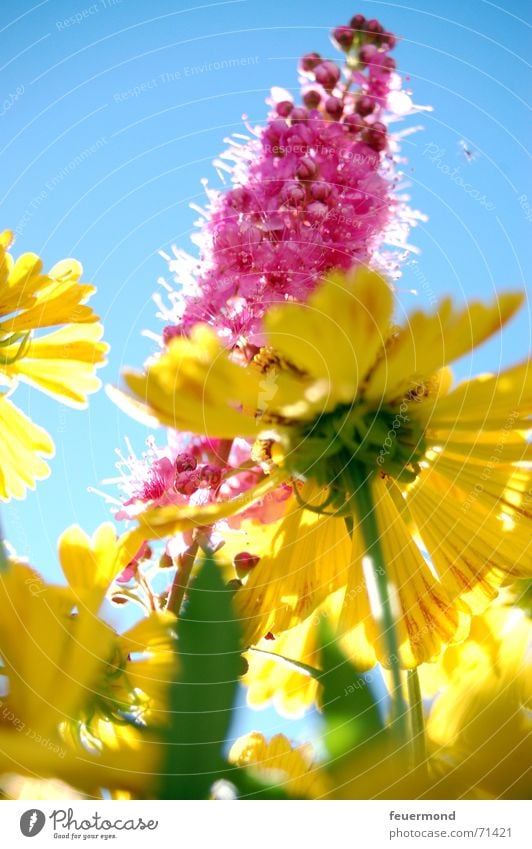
[61,363]
[67,674]
[291,768]
[481,719]
[377,770]
[383,452]
[272,679]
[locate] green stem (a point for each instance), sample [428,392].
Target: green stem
[417,721]
[4,565]
[368,525]
[181,578]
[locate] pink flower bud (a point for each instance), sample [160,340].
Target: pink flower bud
[388,64]
[357,22]
[309,61]
[317,210]
[334,107]
[306,169]
[299,115]
[388,39]
[185,463]
[375,136]
[365,105]
[293,194]
[244,563]
[327,74]
[311,99]
[210,475]
[367,53]
[284,108]
[373,27]
[320,191]
[354,123]
[187,483]
[343,37]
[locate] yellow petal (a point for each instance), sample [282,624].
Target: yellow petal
[429,342]
[22,447]
[336,335]
[195,387]
[90,566]
[426,618]
[62,363]
[305,561]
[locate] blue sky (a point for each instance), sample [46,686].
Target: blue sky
[125,86]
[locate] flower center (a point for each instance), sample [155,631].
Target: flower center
[337,447]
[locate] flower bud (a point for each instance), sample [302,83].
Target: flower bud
[293,194]
[388,64]
[354,123]
[306,169]
[186,483]
[375,136]
[320,191]
[244,563]
[309,61]
[367,53]
[210,475]
[299,115]
[357,22]
[365,105]
[311,99]
[185,463]
[373,27]
[334,107]
[165,561]
[284,107]
[389,39]
[327,74]
[343,37]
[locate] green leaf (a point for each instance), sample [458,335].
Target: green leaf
[202,697]
[349,707]
[298,665]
